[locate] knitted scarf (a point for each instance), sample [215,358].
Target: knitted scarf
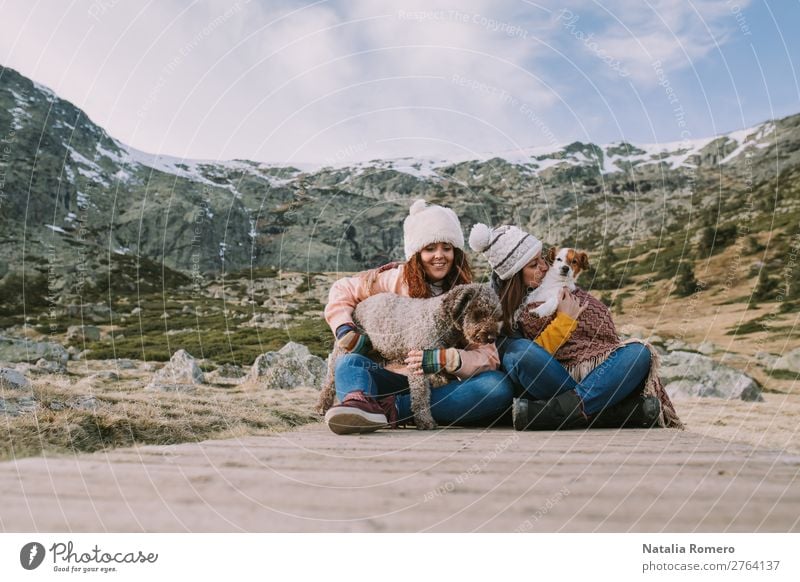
[592,343]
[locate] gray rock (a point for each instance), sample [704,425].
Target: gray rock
[83,402]
[80,333]
[672,345]
[290,367]
[181,374]
[96,313]
[107,375]
[687,374]
[24,350]
[13,380]
[789,362]
[136,311]
[229,371]
[766,359]
[15,407]
[57,405]
[44,366]
[27,404]
[706,348]
[125,364]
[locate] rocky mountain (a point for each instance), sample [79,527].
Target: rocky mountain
[82,213]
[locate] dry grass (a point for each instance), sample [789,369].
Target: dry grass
[125,414]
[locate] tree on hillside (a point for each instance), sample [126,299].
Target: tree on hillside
[766,287]
[605,275]
[685,282]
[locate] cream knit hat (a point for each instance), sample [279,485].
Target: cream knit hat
[425,225]
[507,248]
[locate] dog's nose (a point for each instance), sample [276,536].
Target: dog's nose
[564,271]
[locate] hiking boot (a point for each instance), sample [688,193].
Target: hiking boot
[635,412]
[359,413]
[562,412]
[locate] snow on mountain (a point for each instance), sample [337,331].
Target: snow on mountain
[535,160]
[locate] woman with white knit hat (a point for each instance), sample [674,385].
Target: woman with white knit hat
[616,382]
[371,396]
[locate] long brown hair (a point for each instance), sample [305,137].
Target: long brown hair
[511,293]
[414,274]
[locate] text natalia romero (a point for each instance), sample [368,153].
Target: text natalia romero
[693,549]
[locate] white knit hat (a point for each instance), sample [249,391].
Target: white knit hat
[507,248]
[425,225]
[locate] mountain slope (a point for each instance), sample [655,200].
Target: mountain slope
[84,211]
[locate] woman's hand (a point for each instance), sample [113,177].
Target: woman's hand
[414,362]
[569,305]
[433,361]
[348,338]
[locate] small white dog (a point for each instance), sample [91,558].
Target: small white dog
[565,266]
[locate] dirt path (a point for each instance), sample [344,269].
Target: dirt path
[448,480]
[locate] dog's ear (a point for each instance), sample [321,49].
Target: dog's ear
[551,255]
[583,261]
[456,301]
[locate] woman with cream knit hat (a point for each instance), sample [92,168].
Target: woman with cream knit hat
[371,396]
[570,370]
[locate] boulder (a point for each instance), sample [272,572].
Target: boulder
[15,407]
[290,367]
[96,313]
[13,380]
[24,350]
[107,375]
[687,374]
[672,345]
[766,359]
[706,348]
[44,366]
[81,333]
[788,362]
[228,371]
[181,374]
[82,402]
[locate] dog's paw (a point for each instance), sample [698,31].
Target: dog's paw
[542,311]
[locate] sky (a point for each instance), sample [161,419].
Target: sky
[333,82]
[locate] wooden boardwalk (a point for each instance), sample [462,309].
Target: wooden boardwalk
[452,480]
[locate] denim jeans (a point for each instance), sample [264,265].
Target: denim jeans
[539,376]
[481,398]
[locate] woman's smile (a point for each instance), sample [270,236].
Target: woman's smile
[437,260]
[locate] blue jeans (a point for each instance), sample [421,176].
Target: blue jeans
[540,376]
[481,398]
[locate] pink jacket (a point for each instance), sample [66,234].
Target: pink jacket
[347,292]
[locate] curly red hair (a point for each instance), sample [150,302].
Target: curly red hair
[414,274]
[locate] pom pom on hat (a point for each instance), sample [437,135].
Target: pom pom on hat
[507,248]
[418,206]
[480,237]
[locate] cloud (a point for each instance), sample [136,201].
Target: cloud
[293,81]
[636,34]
